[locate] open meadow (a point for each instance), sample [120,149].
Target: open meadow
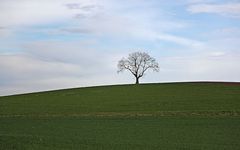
[196,116]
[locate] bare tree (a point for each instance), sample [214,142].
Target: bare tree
[138,63]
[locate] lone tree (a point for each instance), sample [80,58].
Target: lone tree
[138,63]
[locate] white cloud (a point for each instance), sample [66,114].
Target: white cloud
[230,32]
[53,65]
[217,54]
[35,12]
[24,67]
[190,43]
[198,1]
[107,18]
[216,66]
[4,32]
[227,9]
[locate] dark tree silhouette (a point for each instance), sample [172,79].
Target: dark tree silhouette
[138,63]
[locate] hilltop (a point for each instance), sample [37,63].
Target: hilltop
[206,98]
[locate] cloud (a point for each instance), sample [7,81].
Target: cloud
[224,33]
[190,43]
[217,54]
[108,18]
[76,30]
[22,73]
[48,65]
[227,9]
[24,67]
[199,1]
[223,40]
[132,26]
[34,12]
[213,66]
[62,43]
[5,32]
[26,73]
[81,6]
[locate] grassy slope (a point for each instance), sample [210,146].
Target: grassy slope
[149,98]
[100,118]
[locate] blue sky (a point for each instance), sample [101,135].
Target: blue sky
[53,44]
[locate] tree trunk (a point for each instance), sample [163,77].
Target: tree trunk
[137,80]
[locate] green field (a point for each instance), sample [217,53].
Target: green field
[194,116]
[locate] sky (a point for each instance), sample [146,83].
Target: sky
[56,44]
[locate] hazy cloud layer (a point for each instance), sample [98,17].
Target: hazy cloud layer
[52,44]
[226,9]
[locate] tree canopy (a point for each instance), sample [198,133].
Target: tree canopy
[138,63]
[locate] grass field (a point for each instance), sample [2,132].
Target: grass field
[194,116]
